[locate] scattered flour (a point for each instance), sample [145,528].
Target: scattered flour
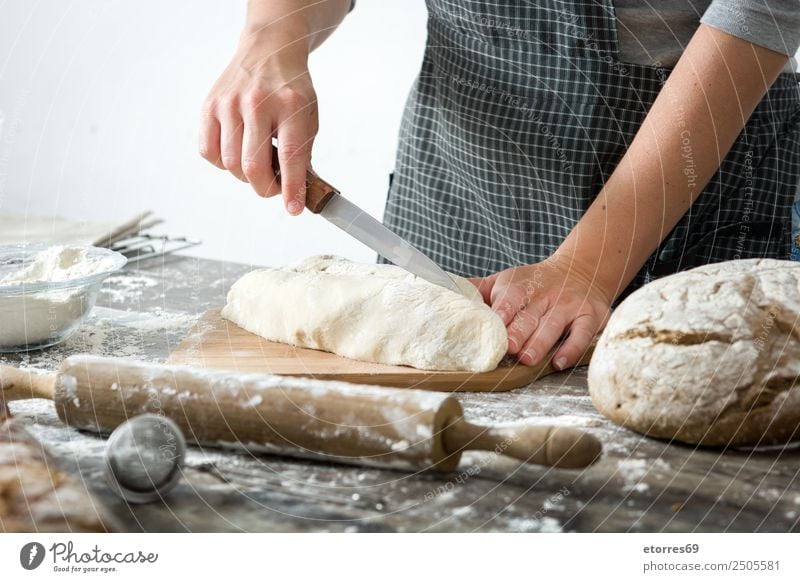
[162,321]
[254,401]
[633,472]
[550,506]
[124,288]
[543,525]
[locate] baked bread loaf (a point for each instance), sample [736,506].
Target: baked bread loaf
[708,356]
[34,495]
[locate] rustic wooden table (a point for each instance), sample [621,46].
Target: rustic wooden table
[640,484]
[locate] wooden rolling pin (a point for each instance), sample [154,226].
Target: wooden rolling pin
[295,416]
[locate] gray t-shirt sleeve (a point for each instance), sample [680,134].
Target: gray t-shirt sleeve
[772,24]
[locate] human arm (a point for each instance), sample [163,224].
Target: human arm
[265,92]
[714,88]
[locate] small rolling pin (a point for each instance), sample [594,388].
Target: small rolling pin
[325,420]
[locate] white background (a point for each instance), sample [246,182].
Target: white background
[101,100]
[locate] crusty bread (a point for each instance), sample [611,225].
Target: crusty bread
[34,495]
[709,356]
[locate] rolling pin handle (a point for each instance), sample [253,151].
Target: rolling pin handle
[553,446]
[318,191]
[16,384]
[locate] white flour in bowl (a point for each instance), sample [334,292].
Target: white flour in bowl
[43,318]
[58,263]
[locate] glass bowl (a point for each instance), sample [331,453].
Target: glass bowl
[42,314]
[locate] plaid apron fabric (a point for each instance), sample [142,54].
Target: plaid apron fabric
[520,113]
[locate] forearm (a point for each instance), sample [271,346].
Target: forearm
[297,26]
[693,123]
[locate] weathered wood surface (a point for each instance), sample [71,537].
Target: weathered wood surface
[639,485]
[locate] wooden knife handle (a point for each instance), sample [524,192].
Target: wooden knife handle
[318,191]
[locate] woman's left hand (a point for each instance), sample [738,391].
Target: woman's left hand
[543,302]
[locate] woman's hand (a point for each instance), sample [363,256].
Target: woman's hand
[265,92]
[543,302]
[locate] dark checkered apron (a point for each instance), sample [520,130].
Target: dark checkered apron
[521,112]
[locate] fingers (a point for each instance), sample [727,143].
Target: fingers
[244,112]
[508,299]
[257,145]
[231,128]
[551,327]
[210,135]
[540,307]
[523,325]
[295,137]
[581,333]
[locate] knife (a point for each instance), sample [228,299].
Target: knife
[327,201]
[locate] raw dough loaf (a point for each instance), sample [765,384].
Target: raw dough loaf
[708,356]
[376,313]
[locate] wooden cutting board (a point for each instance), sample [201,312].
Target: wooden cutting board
[214,342]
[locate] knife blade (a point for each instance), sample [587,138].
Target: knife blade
[327,201]
[342,213]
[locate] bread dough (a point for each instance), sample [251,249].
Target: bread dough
[376,313]
[708,356]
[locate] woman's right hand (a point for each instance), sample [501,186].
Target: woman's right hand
[265,92]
